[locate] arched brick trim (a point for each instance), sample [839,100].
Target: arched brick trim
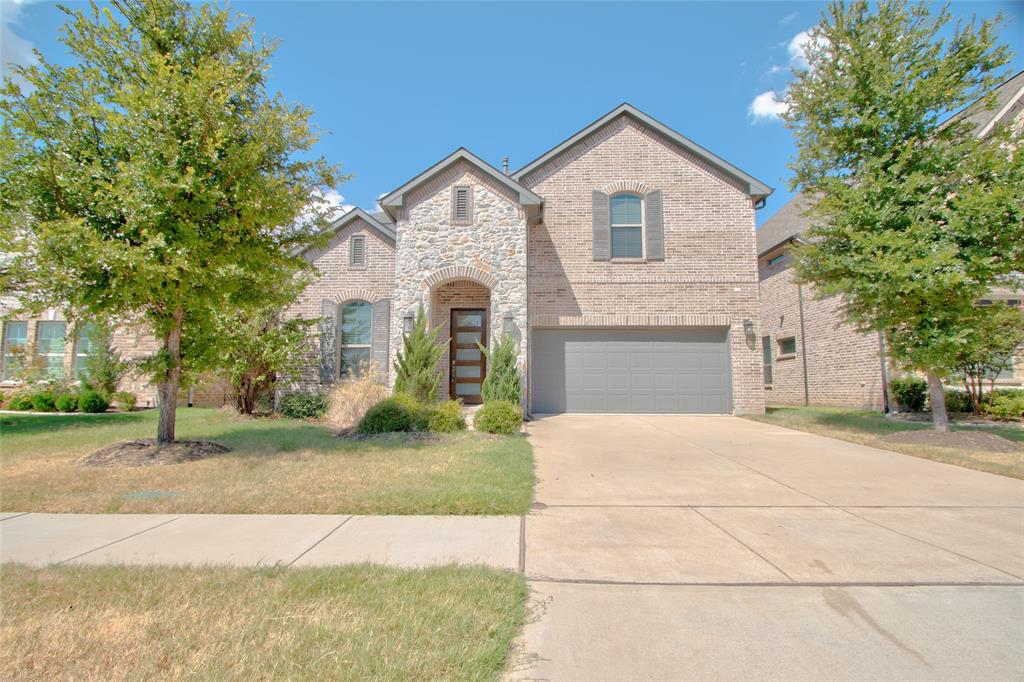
[447,274]
[633,186]
[358,294]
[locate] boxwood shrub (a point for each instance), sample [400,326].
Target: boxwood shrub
[92,401]
[66,402]
[910,392]
[43,401]
[446,417]
[21,401]
[388,416]
[304,405]
[498,416]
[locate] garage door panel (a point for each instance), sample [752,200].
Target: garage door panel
[645,371]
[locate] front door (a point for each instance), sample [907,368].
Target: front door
[468,366]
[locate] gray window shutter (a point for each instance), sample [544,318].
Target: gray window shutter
[381,335]
[602,227]
[328,340]
[655,224]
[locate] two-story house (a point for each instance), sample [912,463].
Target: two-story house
[623,260]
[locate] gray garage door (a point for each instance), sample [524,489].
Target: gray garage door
[675,371]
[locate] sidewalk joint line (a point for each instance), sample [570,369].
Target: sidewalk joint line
[751,549]
[15,516]
[329,534]
[126,537]
[522,544]
[860,583]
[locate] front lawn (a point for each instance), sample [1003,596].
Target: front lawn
[870,428]
[275,466]
[352,623]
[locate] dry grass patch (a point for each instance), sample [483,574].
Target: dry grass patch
[274,466]
[968,446]
[351,623]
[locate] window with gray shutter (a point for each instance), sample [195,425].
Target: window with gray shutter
[357,251]
[462,204]
[328,340]
[627,226]
[381,335]
[602,235]
[655,226]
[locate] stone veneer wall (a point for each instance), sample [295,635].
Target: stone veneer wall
[843,365]
[708,276]
[490,251]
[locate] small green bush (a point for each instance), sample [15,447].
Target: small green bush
[958,401]
[67,402]
[125,400]
[446,417]
[304,405]
[389,415]
[21,401]
[92,401]
[44,402]
[910,392]
[498,416]
[418,412]
[1006,407]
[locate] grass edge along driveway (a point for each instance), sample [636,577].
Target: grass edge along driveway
[276,466]
[353,623]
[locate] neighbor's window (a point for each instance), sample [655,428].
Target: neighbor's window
[356,318]
[50,345]
[787,346]
[357,251]
[462,205]
[84,347]
[766,346]
[776,259]
[15,340]
[627,226]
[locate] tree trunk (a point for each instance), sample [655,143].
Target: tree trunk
[168,388]
[940,420]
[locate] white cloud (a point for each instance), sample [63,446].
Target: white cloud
[797,49]
[788,18]
[767,107]
[13,48]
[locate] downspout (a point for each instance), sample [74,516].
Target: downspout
[803,344]
[885,374]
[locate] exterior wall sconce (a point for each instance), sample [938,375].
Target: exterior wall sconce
[508,323]
[748,327]
[408,323]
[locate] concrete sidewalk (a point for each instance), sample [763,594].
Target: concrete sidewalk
[259,539]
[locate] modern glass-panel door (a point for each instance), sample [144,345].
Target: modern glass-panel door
[468,366]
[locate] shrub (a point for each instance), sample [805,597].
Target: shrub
[304,405]
[92,401]
[44,402]
[1007,407]
[958,401]
[502,380]
[67,402]
[416,371]
[498,416]
[103,368]
[418,412]
[21,401]
[349,400]
[446,417]
[125,400]
[387,416]
[910,392]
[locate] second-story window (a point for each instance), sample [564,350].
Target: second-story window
[627,226]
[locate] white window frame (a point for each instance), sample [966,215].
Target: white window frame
[783,355]
[642,226]
[51,353]
[342,346]
[7,354]
[77,358]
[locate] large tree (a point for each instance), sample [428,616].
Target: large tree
[155,179]
[913,219]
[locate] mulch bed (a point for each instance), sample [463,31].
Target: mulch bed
[146,453]
[959,440]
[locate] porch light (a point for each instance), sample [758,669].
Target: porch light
[748,327]
[408,323]
[508,323]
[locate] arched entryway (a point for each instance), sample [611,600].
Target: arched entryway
[461,310]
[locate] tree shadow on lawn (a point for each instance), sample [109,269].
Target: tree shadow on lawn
[277,436]
[30,424]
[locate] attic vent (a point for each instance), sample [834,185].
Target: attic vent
[357,251]
[462,205]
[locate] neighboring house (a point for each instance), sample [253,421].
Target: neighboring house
[623,261]
[810,355]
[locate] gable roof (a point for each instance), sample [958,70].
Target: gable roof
[1009,101]
[754,187]
[385,230]
[395,198]
[788,223]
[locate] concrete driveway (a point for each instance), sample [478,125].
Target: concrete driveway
[702,548]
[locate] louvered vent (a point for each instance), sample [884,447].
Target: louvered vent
[461,205]
[357,251]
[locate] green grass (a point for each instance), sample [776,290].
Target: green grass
[350,623]
[869,428]
[276,466]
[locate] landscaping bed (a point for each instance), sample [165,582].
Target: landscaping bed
[995,449]
[281,466]
[356,623]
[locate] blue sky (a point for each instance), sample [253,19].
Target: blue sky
[397,86]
